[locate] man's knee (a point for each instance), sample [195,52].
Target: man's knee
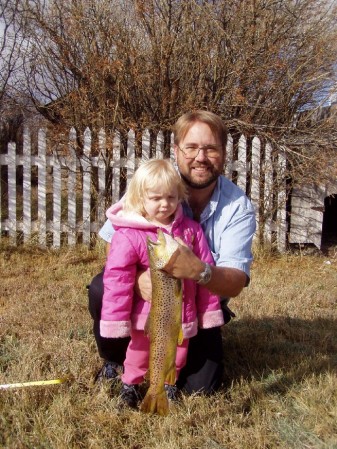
[95,296]
[204,369]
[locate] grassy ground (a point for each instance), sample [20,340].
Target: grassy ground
[281,360]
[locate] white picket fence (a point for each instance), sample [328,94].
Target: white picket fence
[59,209]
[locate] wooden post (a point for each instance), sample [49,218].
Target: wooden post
[56,201]
[130,156]
[27,186]
[86,165]
[116,168]
[41,188]
[160,145]
[242,163]
[101,177]
[71,165]
[256,173]
[12,192]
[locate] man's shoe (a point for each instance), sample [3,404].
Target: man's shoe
[109,371]
[129,395]
[172,392]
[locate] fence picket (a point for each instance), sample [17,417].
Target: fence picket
[12,191]
[27,186]
[116,168]
[241,166]
[145,146]
[101,176]
[229,157]
[268,193]
[42,188]
[71,172]
[86,185]
[160,145]
[281,202]
[172,147]
[255,190]
[130,156]
[57,199]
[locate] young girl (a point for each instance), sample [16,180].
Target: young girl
[152,201]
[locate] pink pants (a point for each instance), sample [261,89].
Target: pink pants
[136,361]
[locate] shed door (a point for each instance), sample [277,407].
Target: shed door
[329,230]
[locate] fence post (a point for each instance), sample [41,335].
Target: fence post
[160,145]
[27,185]
[56,201]
[268,193]
[172,148]
[41,187]
[86,186]
[71,164]
[229,157]
[241,166]
[130,156]
[101,176]
[12,191]
[116,168]
[281,203]
[255,192]
[145,145]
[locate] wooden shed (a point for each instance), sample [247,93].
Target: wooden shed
[313,215]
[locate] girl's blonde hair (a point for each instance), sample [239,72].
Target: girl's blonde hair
[152,174]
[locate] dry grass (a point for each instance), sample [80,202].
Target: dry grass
[281,360]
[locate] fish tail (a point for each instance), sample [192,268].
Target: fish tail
[155,403]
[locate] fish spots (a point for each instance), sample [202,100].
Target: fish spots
[165,323]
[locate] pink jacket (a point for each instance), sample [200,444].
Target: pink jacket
[122,308]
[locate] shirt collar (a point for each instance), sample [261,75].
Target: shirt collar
[213,202]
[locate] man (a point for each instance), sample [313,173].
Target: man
[228,220]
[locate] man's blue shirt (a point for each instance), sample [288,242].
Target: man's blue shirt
[229,224]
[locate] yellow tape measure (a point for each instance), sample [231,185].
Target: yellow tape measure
[34,383]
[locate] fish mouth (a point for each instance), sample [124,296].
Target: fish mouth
[160,239]
[150,243]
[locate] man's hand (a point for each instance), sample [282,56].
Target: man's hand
[143,286]
[225,281]
[184,264]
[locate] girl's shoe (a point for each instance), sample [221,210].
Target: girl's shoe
[172,392]
[109,371]
[129,395]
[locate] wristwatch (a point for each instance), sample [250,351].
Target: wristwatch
[205,276]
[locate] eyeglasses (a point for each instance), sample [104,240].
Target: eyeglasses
[192,151]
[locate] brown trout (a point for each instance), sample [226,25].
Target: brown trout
[164,324]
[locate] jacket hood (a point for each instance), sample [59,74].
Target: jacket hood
[121,219]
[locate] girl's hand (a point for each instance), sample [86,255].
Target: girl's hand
[143,286]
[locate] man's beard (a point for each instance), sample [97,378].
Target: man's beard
[201,185]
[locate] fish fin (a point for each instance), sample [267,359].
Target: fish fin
[180,336]
[171,375]
[178,290]
[155,403]
[147,326]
